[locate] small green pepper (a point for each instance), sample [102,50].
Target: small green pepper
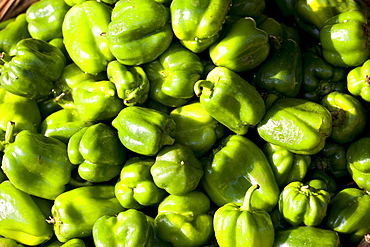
[14,32]
[358,81]
[8,242]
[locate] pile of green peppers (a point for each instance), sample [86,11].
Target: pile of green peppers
[185,123]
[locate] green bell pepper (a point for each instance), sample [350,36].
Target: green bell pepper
[176,169]
[76,2]
[244,225]
[96,100]
[172,76]
[74,212]
[139,31]
[131,82]
[287,166]
[320,179]
[14,32]
[34,67]
[344,39]
[144,130]
[242,46]
[299,125]
[195,128]
[89,50]
[233,167]
[306,236]
[98,152]
[358,81]
[21,218]
[8,242]
[184,220]
[197,24]
[252,8]
[45,19]
[230,99]
[277,30]
[301,203]
[358,162]
[349,214]
[135,187]
[44,160]
[282,71]
[128,228]
[320,78]
[348,115]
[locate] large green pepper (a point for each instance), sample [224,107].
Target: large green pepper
[348,115]
[34,67]
[129,228]
[21,218]
[89,50]
[358,162]
[139,31]
[75,211]
[287,166]
[306,236]
[237,226]
[135,187]
[282,71]
[242,46]
[349,214]
[234,166]
[173,75]
[144,130]
[98,152]
[44,160]
[301,203]
[299,125]
[131,82]
[195,128]
[176,170]
[45,19]
[197,24]
[184,220]
[14,32]
[358,81]
[345,39]
[230,99]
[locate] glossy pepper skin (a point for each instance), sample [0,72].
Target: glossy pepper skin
[135,187]
[236,225]
[98,152]
[14,32]
[344,39]
[349,213]
[287,166]
[197,24]
[358,81]
[242,46]
[306,235]
[195,128]
[299,125]
[34,67]
[129,228]
[348,115]
[358,163]
[176,169]
[131,82]
[24,221]
[230,99]
[172,76]
[301,203]
[74,212]
[139,31]
[184,220]
[242,164]
[320,78]
[45,19]
[89,51]
[282,71]
[144,130]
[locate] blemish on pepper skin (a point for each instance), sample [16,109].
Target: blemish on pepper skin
[367,79]
[39,160]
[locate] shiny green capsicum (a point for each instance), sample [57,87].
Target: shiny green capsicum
[8,242]
[230,99]
[243,226]
[14,32]
[358,81]
[139,31]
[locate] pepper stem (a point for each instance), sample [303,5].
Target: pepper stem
[247,198]
[202,86]
[9,134]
